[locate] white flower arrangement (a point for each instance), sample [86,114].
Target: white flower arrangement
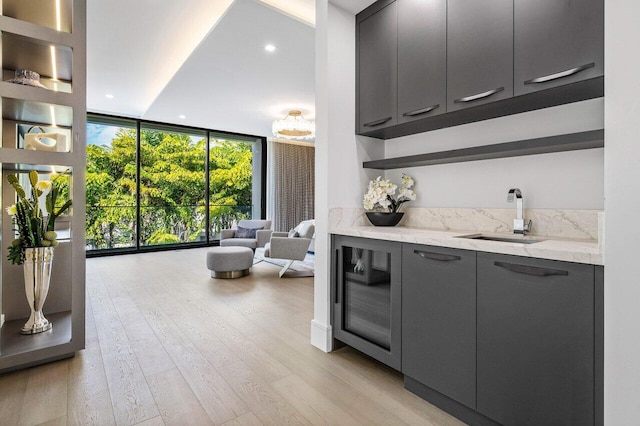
[381,192]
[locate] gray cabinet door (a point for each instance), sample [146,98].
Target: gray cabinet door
[422,59]
[439,320]
[535,341]
[557,42]
[479,52]
[377,69]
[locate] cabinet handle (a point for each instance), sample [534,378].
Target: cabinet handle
[377,122]
[436,256]
[337,276]
[479,95]
[530,270]
[560,74]
[421,111]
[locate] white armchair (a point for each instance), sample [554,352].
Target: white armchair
[282,246]
[263,235]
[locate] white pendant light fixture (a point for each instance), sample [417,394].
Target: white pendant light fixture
[294,126]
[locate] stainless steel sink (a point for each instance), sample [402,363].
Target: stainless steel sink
[520,240]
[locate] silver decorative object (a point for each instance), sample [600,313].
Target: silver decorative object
[37,274]
[27,78]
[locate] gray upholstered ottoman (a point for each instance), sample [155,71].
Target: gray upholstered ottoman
[229,262]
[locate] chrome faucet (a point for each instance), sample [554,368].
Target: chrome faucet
[519,226]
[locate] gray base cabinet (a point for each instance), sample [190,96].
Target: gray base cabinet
[439,320]
[490,338]
[535,341]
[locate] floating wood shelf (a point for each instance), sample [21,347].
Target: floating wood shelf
[569,142]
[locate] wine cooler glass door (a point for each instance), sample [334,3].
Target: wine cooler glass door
[367,294]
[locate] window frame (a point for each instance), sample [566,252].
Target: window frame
[107,119]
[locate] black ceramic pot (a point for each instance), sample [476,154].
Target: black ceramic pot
[384,218]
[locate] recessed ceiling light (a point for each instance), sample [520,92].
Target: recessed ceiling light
[108,96]
[270,48]
[182,117]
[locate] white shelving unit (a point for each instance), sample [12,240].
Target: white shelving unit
[48,37]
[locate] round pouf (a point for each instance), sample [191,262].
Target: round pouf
[229,262]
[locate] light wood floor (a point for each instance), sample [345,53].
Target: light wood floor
[166,344]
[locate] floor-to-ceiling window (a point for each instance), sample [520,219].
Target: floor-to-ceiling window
[111,184]
[230,182]
[149,184]
[172,185]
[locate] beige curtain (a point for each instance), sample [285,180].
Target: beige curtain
[292,184]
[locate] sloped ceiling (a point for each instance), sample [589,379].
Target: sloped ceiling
[201,59]
[353,6]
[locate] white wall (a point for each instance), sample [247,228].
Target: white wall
[320,325]
[571,180]
[622,205]
[340,178]
[346,176]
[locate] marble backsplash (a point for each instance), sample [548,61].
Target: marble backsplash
[554,223]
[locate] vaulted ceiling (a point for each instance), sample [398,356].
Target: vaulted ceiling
[203,60]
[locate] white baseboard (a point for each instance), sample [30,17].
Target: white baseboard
[321,336]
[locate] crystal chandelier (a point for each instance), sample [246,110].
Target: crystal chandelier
[294,126]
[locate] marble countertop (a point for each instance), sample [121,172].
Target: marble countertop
[569,250]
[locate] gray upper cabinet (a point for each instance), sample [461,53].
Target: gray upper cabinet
[557,42]
[535,341]
[422,59]
[377,69]
[423,65]
[479,52]
[439,320]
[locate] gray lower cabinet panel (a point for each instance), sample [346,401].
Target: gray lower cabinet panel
[535,340]
[439,320]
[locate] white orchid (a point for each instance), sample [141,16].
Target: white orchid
[381,192]
[12,210]
[407,181]
[407,194]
